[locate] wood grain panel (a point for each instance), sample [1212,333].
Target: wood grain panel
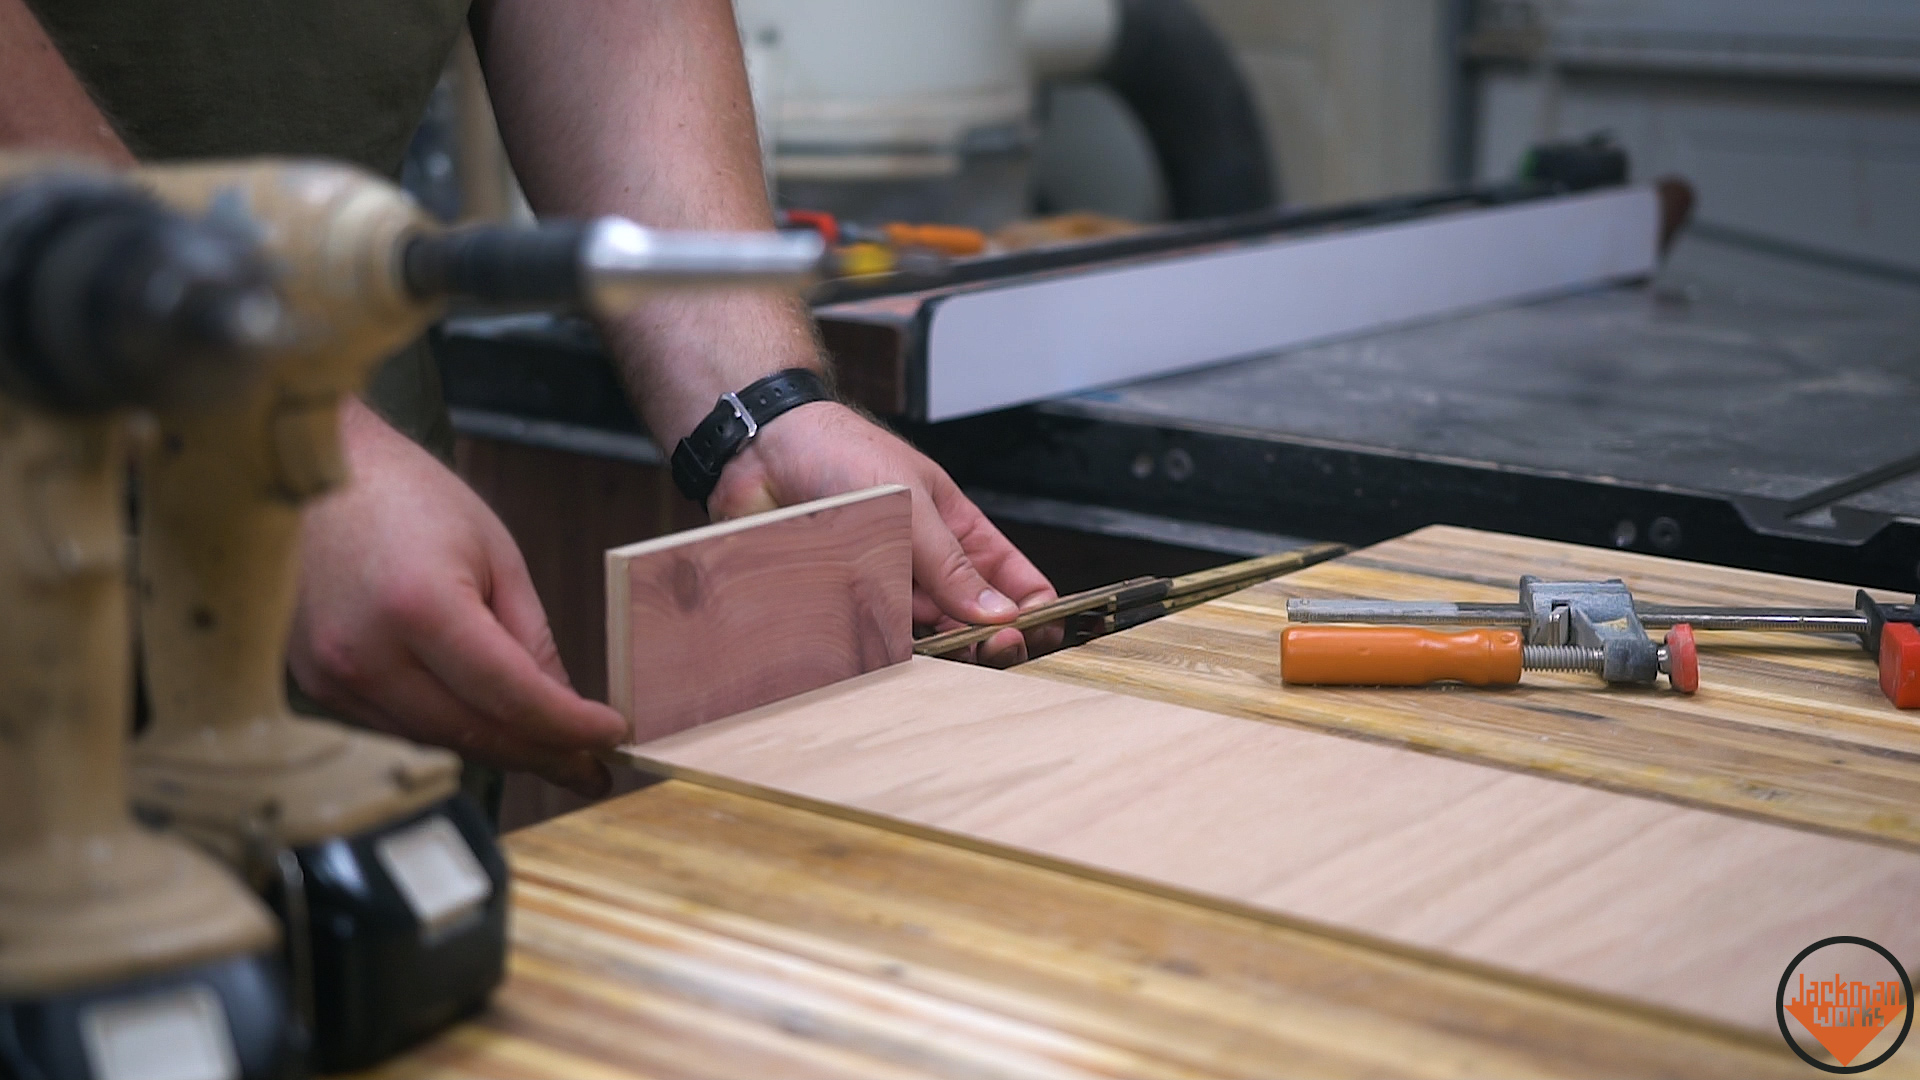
[708,622]
[1681,908]
[1785,727]
[693,933]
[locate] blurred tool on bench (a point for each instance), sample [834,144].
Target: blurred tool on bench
[958,241]
[115,940]
[391,888]
[1567,626]
[402,888]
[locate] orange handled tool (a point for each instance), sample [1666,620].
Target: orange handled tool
[1607,623]
[954,240]
[1318,655]
[1398,656]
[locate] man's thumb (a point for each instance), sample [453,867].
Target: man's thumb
[942,568]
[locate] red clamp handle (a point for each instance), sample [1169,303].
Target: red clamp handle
[1683,659]
[818,220]
[1900,664]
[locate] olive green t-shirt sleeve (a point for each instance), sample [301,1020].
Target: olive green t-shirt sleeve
[346,79]
[343,79]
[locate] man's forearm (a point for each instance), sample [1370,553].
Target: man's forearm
[642,109]
[42,104]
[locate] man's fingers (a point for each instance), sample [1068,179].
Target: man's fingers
[462,643]
[416,705]
[1009,571]
[1004,649]
[518,607]
[758,500]
[927,613]
[996,565]
[942,568]
[975,561]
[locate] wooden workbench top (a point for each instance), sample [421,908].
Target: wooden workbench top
[1791,728]
[686,931]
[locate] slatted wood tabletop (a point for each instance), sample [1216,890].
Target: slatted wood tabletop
[1786,727]
[687,932]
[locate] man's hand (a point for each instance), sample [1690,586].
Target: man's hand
[964,570]
[417,617]
[644,110]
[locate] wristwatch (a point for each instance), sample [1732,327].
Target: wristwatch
[735,420]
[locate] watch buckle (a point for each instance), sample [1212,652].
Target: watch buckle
[740,411]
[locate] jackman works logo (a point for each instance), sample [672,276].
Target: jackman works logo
[1844,995]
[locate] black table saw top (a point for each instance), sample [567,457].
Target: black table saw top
[1726,375]
[1684,416]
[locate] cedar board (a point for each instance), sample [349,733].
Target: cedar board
[714,621]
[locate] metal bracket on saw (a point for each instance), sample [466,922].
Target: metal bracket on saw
[1817,515]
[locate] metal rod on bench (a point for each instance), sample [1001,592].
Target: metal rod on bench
[1654,617]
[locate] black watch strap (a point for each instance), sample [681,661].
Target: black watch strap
[736,418]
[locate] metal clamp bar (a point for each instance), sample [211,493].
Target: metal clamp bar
[1075,604]
[1157,594]
[1412,613]
[1652,616]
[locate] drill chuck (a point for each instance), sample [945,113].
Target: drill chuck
[109,299]
[605,266]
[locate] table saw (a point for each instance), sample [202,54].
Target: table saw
[709,926]
[1746,406]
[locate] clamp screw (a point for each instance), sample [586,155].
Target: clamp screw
[1562,658]
[1679,661]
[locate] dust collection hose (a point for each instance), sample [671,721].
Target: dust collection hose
[109,299]
[1179,78]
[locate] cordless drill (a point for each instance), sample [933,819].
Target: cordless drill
[118,945]
[391,891]
[389,882]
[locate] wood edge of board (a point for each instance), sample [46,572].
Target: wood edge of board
[751,521]
[618,600]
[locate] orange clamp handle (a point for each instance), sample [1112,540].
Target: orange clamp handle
[954,240]
[1397,656]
